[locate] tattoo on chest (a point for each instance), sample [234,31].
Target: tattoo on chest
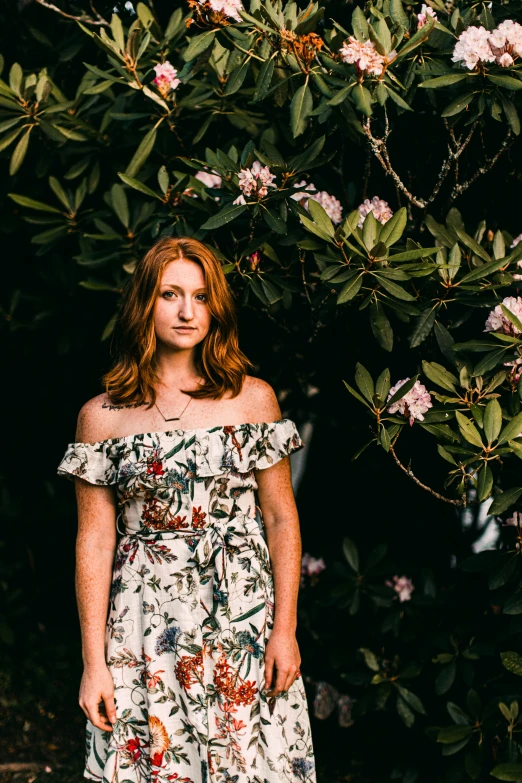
[112,407]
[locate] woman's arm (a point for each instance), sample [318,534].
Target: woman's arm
[95,548]
[281,522]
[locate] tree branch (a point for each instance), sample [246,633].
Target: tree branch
[490,162]
[410,474]
[99,21]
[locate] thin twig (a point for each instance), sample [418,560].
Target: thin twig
[490,162]
[99,21]
[410,474]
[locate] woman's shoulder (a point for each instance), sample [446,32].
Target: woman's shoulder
[97,419]
[259,401]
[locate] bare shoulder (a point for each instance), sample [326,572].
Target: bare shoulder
[96,420]
[259,401]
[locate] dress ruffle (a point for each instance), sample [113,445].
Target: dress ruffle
[214,451]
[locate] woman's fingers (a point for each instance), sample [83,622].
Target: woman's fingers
[96,714]
[110,708]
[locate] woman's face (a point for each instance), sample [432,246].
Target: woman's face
[181,314]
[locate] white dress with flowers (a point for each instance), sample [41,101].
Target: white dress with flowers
[191,611]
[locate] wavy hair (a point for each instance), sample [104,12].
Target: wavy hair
[133,377]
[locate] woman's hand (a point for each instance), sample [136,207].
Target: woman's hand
[97,697]
[282,652]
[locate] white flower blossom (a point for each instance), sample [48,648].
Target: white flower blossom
[497,321]
[363,55]
[516,241]
[255,180]
[402,586]
[414,403]
[208,179]
[229,8]
[379,207]
[166,77]
[472,47]
[425,11]
[478,45]
[329,203]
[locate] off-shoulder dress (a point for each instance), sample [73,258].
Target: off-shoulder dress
[191,611]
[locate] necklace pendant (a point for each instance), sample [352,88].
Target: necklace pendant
[173,418]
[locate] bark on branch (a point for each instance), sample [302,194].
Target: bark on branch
[97,20]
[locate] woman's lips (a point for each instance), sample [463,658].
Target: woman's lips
[184,328]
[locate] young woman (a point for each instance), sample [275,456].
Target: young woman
[191,664]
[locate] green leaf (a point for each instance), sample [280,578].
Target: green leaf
[513,605]
[503,501]
[484,482]
[393,229]
[402,390]
[19,152]
[381,327]
[468,430]
[450,734]
[264,80]
[439,375]
[350,289]
[512,430]
[119,202]
[300,110]
[512,661]
[422,327]
[137,185]
[364,382]
[320,217]
[356,394]
[444,81]
[383,383]
[489,361]
[351,554]
[60,193]
[394,289]
[458,105]
[484,270]
[470,242]
[249,613]
[511,317]
[362,99]
[33,204]
[226,215]
[505,81]
[236,78]
[142,153]
[509,770]
[492,420]
[273,221]
[198,44]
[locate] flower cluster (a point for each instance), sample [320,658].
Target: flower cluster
[414,403]
[166,77]
[228,8]
[478,45]
[311,567]
[379,207]
[402,586]
[363,55]
[255,181]
[330,204]
[497,321]
[327,698]
[425,11]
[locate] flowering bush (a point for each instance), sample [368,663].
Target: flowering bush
[263,128]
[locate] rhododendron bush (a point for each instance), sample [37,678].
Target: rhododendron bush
[354,168]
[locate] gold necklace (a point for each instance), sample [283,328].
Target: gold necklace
[175,418]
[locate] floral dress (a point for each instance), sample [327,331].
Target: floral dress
[191,610]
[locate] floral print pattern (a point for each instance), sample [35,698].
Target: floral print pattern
[191,611]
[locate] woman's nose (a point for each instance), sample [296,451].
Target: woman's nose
[186,310]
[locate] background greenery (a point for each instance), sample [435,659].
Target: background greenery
[97,163]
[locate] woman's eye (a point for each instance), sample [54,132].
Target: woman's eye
[167,294]
[203,297]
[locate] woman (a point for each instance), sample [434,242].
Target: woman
[193,675]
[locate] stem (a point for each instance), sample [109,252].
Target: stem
[410,474]
[99,21]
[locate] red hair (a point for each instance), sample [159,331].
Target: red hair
[219,359]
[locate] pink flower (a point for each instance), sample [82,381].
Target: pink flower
[311,567]
[330,204]
[402,586]
[414,403]
[497,321]
[515,520]
[425,11]
[255,180]
[166,77]
[379,207]
[208,179]
[229,8]
[363,55]
[478,45]
[516,241]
